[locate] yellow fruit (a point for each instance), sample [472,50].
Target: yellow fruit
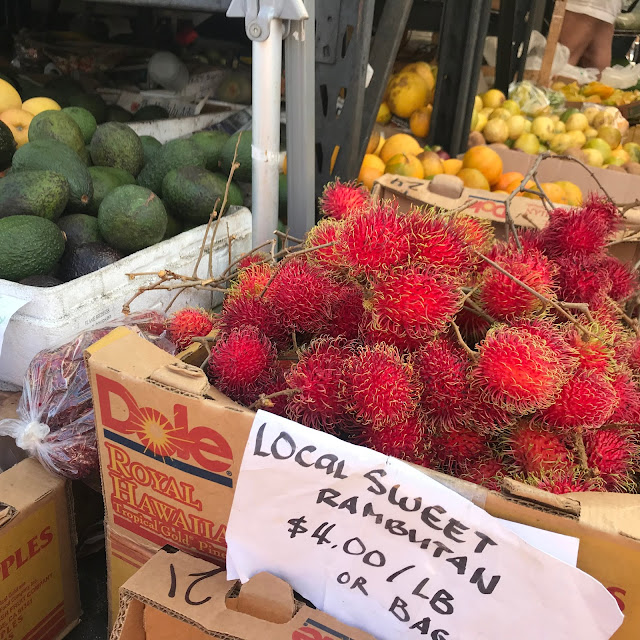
[516,126]
[384,114]
[380,144]
[633,149]
[572,192]
[577,122]
[374,141]
[37,105]
[578,139]
[424,71]
[334,157]
[528,143]
[620,154]
[560,142]
[590,113]
[372,162]
[542,127]
[501,113]
[507,179]
[18,121]
[420,121]
[496,131]
[473,179]
[594,157]
[481,123]
[485,160]
[590,133]
[431,163]
[615,161]
[478,105]
[611,135]
[527,126]
[554,192]
[512,107]
[371,169]
[406,92]
[399,143]
[493,98]
[487,111]
[600,145]
[9,97]
[452,166]
[405,164]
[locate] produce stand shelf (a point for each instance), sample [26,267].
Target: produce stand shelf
[188,5]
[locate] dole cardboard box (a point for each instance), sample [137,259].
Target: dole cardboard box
[39,596]
[178,596]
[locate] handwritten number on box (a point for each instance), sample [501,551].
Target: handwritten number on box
[199,577]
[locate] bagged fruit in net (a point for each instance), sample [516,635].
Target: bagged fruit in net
[55,414]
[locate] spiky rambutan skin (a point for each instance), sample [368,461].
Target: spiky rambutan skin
[486,417]
[487,472]
[505,299]
[403,440]
[570,481]
[624,281]
[582,231]
[275,405]
[442,368]
[416,301]
[477,233]
[245,311]
[628,392]
[613,453]
[458,447]
[379,386]
[633,358]
[371,334]
[252,258]
[241,363]
[535,449]
[346,312]
[325,232]
[594,354]
[317,374]
[436,243]
[581,279]
[301,294]
[473,327]
[186,324]
[340,200]
[375,241]
[519,371]
[251,280]
[586,401]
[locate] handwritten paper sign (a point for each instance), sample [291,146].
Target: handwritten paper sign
[379,545]
[8,306]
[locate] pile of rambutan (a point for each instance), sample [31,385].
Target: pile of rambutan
[421,335]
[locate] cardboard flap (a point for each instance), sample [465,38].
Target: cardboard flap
[267,597]
[183,377]
[7,513]
[515,489]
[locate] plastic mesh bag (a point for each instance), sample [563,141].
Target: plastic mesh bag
[55,414]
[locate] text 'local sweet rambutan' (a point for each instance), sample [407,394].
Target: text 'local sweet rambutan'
[186,324]
[536,450]
[242,363]
[613,453]
[379,386]
[341,200]
[416,301]
[403,440]
[316,377]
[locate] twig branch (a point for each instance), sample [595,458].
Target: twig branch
[581,451]
[265,400]
[470,352]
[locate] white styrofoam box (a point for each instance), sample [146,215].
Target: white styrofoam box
[165,130]
[55,315]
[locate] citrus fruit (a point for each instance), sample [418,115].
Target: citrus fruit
[406,92]
[516,125]
[572,192]
[372,168]
[420,121]
[600,145]
[399,143]
[512,107]
[506,179]
[424,71]
[37,105]
[528,143]
[9,97]
[374,140]
[473,179]
[384,114]
[577,122]
[485,160]
[493,98]
[18,121]
[496,131]
[611,135]
[452,166]
[405,164]
[432,164]
[594,156]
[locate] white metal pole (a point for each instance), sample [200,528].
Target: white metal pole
[266,86]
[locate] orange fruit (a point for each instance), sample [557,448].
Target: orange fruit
[407,91]
[399,143]
[530,185]
[384,114]
[485,160]
[473,179]
[512,186]
[405,164]
[431,163]
[554,192]
[452,166]
[18,121]
[506,179]
[572,192]
[374,141]
[420,121]
[371,161]
[368,175]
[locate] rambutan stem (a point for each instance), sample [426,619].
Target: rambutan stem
[470,352]
[294,340]
[633,324]
[288,237]
[475,308]
[263,400]
[544,197]
[581,451]
[245,255]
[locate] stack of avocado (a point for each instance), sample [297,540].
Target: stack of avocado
[82,195]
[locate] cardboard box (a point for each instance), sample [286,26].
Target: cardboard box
[39,596]
[162,602]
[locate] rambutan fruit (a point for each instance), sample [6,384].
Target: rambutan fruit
[477,233]
[379,386]
[473,326]
[317,375]
[375,241]
[593,354]
[586,401]
[613,453]
[582,231]
[487,472]
[486,417]
[241,363]
[505,299]
[633,357]
[251,280]
[518,370]
[346,312]
[570,481]
[436,243]
[301,294]
[582,279]
[277,404]
[340,200]
[371,334]
[624,281]
[628,392]
[416,301]
[536,450]
[325,232]
[186,324]
[252,258]
[245,311]
[403,440]
[458,447]
[442,368]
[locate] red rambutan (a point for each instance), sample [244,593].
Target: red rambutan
[633,357]
[403,440]
[346,312]
[570,481]
[186,324]
[245,311]
[485,416]
[251,280]
[624,281]
[317,375]
[487,472]
[341,200]
[242,363]
[473,327]
[628,410]
[536,450]
[375,241]
[586,401]
[301,295]
[477,233]
[505,299]
[458,447]
[325,232]
[613,453]
[593,354]
[252,258]
[582,279]
[518,370]
[379,386]
[416,301]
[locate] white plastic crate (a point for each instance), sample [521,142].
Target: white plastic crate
[56,314]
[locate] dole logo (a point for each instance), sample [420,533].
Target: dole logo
[157,433]
[320,632]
